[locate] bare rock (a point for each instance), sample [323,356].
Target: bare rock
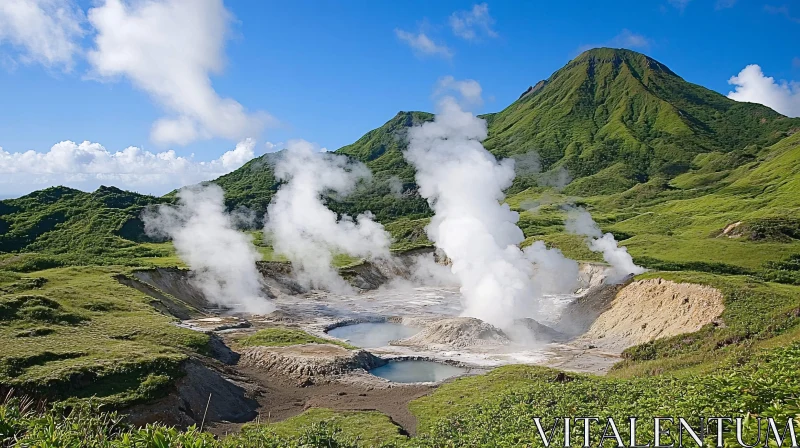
[309,360]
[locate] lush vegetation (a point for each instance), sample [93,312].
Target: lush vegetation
[281,337]
[23,424]
[699,188]
[496,409]
[76,332]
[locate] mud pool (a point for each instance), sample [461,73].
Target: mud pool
[414,371]
[404,317]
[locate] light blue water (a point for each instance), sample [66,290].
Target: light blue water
[416,371]
[372,334]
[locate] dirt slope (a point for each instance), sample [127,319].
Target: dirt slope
[656,308]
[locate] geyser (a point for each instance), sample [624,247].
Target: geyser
[222,258]
[464,183]
[306,231]
[580,222]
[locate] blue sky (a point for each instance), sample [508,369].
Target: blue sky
[329,71]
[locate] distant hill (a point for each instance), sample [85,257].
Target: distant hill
[72,224]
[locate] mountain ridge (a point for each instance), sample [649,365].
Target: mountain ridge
[612,119]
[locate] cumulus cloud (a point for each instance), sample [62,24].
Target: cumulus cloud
[751,85]
[168,48]
[46,31]
[423,45]
[87,165]
[273,147]
[469,89]
[473,23]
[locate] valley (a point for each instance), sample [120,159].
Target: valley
[99,316]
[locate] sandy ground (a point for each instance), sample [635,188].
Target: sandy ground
[655,308]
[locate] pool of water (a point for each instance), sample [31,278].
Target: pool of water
[372,334]
[416,371]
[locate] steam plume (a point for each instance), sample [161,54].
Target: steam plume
[580,222]
[306,231]
[464,185]
[223,259]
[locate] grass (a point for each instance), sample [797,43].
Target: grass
[382,431]
[281,337]
[76,332]
[497,409]
[84,425]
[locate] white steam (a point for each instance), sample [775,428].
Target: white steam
[580,222]
[553,272]
[307,232]
[464,185]
[223,259]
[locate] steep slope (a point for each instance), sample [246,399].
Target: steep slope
[617,113]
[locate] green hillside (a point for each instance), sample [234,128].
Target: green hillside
[612,118]
[699,188]
[608,107]
[72,226]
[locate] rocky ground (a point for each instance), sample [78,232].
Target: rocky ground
[583,332]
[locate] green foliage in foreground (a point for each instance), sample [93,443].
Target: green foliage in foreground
[85,426]
[496,409]
[281,337]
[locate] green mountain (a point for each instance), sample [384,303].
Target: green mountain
[612,118]
[625,128]
[700,189]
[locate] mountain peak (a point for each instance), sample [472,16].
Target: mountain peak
[618,56]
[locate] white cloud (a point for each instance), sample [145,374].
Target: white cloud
[754,87]
[87,165]
[628,39]
[471,24]
[625,39]
[273,147]
[725,4]
[469,89]
[680,5]
[168,48]
[783,11]
[423,45]
[46,31]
